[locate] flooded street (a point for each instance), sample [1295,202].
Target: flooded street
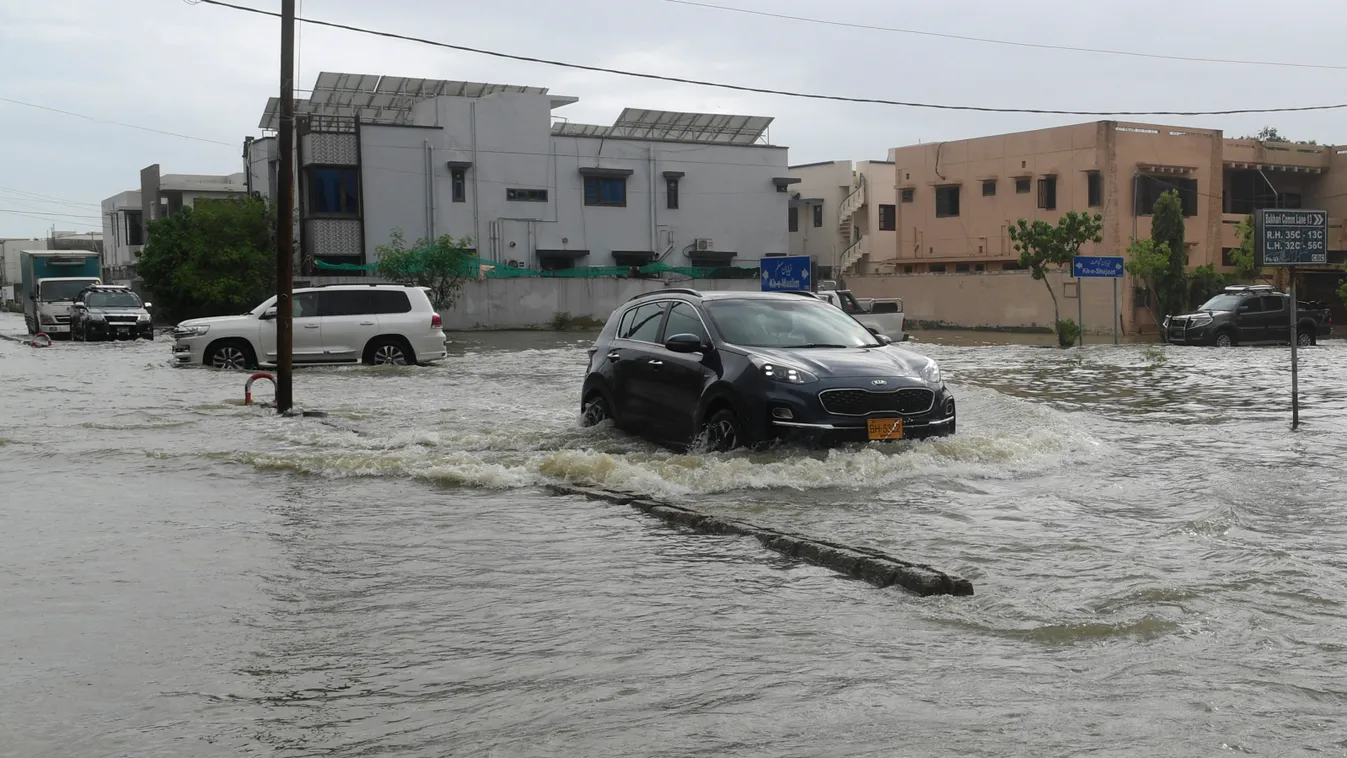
[1159,564]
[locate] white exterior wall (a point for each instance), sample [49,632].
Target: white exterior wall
[832,183]
[726,193]
[116,251]
[10,273]
[880,189]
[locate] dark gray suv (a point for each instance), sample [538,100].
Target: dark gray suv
[730,369]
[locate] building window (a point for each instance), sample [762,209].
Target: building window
[1047,193]
[979,267]
[1011,267]
[794,219]
[527,195]
[135,228]
[907,269]
[671,194]
[906,195]
[459,179]
[946,202]
[962,268]
[989,188]
[1149,189]
[334,191]
[818,216]
[606,190]
[937,268]
[1094,189]
[888,218]
[1021,185]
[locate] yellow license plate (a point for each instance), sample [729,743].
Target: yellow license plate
[885,428]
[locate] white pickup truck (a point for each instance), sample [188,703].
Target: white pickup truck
[884,315]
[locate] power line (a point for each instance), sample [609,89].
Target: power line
[1012,43]
[114,123]
[764,90]
[38,198]
[30,212]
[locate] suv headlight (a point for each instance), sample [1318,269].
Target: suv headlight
[930,373]
[784,374]
[96,316]
[1202,320]
[143,317]
[190,331]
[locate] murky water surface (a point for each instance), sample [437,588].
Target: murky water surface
[1159,564]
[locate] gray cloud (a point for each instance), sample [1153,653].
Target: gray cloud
[207,71]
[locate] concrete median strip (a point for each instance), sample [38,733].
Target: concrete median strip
[866,564]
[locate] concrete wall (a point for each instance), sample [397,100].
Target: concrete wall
[116,250]
[830,182]
[880,244]
[526,303]
[10,272]
[726,193]
[1009,299]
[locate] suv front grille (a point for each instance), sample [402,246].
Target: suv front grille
[907,401]
[122,319]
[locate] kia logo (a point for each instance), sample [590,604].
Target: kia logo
[878,382]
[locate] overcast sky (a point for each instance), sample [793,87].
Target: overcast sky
[206,71]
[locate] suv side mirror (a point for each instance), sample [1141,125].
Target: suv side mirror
[148,305]
[684,343]
[269,314]
[1243,309]
[884,339]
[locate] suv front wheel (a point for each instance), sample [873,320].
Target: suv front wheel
[722,432]
[1224,340]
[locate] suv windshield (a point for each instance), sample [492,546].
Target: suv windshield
[787,323]
[112,299]
[1222,303]
[62,290]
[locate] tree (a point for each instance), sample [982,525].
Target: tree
[1242,256]
[442,265]
[1205,282]
[1342,288]
[1042,245]
[215,257]
[1148,263]
[1167,231]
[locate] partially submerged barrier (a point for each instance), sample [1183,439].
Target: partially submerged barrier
[866,564]
[248,387]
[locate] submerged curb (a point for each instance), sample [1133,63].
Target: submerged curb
[866,564]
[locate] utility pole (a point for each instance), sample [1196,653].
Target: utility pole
[285,331]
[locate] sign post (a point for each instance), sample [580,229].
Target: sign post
[1097,267]
[1290,238]
[787,274]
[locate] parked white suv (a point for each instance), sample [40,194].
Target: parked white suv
[374,323]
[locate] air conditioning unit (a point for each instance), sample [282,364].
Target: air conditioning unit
[705,245]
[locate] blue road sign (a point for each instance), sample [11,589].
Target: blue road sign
[789,274]
[1097,267]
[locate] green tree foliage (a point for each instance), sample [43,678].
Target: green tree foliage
[1043,246]
[1148,263]
[1270,134]
[1242,256]
[217,257]
[1342,288]
[1167,231]
[1205,282]
[442,265]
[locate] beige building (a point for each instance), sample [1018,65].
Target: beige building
[957,200]
[840,213]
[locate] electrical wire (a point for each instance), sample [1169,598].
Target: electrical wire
[114,123]
[27,211]
[1012,43]
[765,90]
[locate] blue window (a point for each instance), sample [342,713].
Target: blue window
[334,190]
[606,190]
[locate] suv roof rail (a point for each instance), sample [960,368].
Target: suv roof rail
[1249,287]
[677,290]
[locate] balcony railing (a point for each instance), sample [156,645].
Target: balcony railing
[854,253]
[1285,155]
[854,202]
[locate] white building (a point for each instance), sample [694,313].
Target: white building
[842,215]
[125,215]
[492,162]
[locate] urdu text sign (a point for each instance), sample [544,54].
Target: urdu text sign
[786,274]
[1285,237]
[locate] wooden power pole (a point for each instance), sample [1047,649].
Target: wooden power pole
[285,212]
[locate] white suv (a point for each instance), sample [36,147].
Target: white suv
[374,323]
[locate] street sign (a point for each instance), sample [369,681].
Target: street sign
[787,274]
[1285,237]
[1097,267]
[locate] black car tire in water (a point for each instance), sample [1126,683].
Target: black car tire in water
[387,351]
[722,432]
[1304,338]
[595,411]
[1223,339]
[230,355]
